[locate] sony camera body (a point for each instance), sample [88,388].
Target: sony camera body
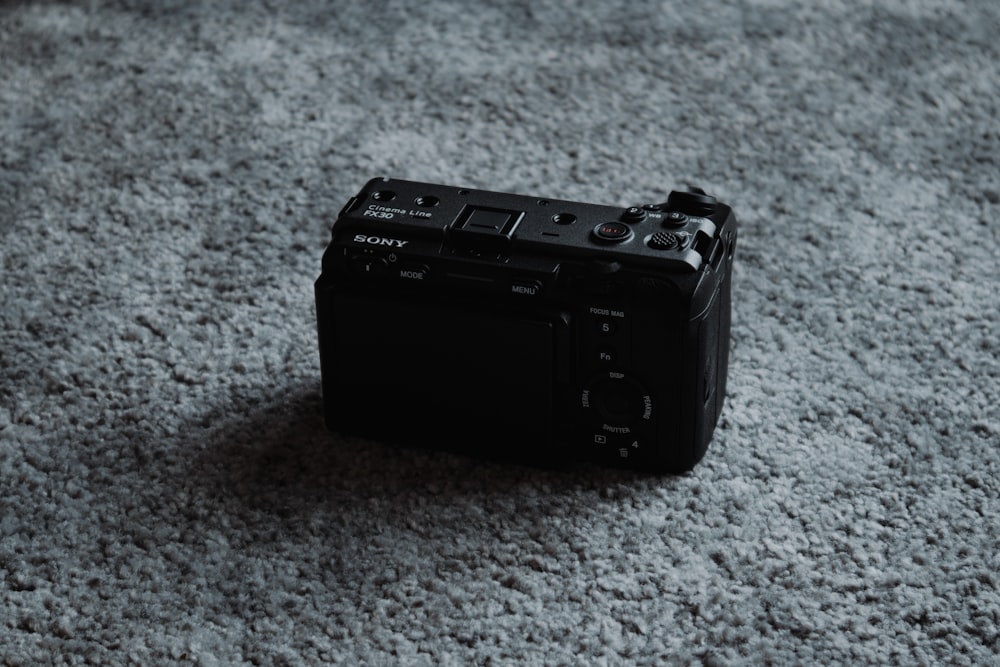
[528,328]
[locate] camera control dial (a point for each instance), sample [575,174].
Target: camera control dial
[692,201]
[618,400]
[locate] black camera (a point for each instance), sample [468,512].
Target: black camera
[526,328]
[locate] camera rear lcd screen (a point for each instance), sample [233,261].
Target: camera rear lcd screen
[434,372]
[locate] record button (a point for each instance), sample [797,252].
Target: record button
[613,231]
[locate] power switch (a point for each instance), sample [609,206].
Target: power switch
[369,264]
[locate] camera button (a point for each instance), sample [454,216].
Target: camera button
[634,214]
[606,327]
[613,231]
[674,219]
[606,355]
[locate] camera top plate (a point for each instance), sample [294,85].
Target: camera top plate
[680,235]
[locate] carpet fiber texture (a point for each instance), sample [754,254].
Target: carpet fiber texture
[168,174]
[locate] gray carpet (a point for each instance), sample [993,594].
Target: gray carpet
[168,174]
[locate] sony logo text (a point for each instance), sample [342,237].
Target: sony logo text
[379,240]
